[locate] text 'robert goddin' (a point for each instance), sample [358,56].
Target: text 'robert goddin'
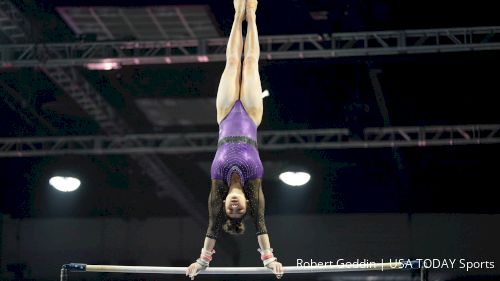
[406,263]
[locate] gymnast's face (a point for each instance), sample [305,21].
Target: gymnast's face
[236,205]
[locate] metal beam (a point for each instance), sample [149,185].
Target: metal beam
[128,23]
[268,140]
[12,23]
[157,23]
[21,106]
[379,95]
[184,22]
[101,24]
[272,47]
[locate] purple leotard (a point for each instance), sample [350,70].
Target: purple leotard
[237,149]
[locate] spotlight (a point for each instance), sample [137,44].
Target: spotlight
[295,178]
[65,184]
[103,66]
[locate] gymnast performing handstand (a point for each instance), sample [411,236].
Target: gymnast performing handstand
[236,169]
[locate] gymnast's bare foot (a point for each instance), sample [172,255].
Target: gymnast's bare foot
[239,8]
[251,8]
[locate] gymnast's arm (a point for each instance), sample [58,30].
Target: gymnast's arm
[257,202]
[216,213]
[215,220]
[257,210]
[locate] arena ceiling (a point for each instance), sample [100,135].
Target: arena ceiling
[419,90]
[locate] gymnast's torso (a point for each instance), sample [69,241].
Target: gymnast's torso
[237,149]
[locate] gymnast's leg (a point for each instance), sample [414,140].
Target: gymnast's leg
[229,86]
[251,98]
[227,95]
[251,89]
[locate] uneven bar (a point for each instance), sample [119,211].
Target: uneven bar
[78,267]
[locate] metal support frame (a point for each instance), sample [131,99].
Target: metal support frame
[379,95]
[268,140]
[272,47]
[12,23]
[20,105]
[184,22]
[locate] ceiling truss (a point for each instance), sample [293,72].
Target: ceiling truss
[377,137]
[272,47]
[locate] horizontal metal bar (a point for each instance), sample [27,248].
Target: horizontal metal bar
[244,270]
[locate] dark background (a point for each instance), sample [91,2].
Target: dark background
[420,90]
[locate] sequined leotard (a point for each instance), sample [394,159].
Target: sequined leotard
[237,153]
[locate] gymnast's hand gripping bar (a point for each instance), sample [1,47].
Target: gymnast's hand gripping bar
[80,267]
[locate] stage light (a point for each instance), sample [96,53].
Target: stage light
[65,184]
[295,178]
[103,66]
[203,59]
[265,93]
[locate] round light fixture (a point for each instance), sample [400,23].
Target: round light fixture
[295,178]
[65,184]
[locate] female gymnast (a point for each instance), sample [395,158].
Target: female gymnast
[236,169]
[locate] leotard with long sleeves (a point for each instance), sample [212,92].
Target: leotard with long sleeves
[236,153]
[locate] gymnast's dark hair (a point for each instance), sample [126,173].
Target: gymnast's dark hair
[218,218]
[234,226]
